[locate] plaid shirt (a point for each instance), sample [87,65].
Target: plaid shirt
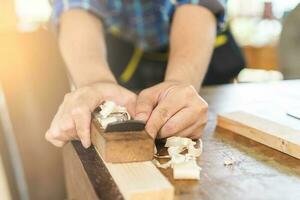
[145,23]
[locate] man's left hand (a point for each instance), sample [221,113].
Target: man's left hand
[172,108]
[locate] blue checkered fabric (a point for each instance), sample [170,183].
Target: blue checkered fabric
[145,23]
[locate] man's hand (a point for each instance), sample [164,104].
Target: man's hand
[172,108]
[73,118]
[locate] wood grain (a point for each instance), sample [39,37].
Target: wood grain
[141,180]
[122,147]
[267,132]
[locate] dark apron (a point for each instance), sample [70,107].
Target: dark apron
[136,69]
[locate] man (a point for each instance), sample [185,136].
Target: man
[171,107]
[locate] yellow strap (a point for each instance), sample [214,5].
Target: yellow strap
[157,56]
[132,65]
[220,40]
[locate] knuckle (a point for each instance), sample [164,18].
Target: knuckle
[66,127]
[163,114]
[80,110]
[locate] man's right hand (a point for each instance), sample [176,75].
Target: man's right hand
[73,118]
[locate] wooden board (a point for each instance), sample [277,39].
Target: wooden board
[141,180]
[122,147]
[268,132]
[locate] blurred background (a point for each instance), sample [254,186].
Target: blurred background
[33,81]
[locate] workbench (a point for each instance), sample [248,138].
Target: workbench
[258,172]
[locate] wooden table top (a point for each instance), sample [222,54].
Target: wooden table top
[258,172]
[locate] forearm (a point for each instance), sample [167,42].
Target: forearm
[83,48]
[191,43]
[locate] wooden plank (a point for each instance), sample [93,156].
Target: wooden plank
[122,147]
[271,133]
[140,180]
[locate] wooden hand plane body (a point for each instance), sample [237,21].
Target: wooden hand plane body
[119,146]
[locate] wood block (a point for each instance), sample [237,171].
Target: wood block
[120,147]
[268,132]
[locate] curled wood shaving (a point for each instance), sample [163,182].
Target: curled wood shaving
[110,112]
[184,165]
[186,170]
[106,108]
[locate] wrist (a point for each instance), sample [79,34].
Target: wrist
[93,75]
[183,74]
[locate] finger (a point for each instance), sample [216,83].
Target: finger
[131,105]
[68,128]
[179,122]
[82,119]
[58,143]
[63,129]
[163,112]
[146,102]
[194,132]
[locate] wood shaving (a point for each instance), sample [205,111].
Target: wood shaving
[184,165]
[186,170]
[110,112]
[229,161]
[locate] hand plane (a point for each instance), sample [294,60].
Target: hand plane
[121,141]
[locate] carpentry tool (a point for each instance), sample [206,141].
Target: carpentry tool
[122,141]
[129,125]
[295,114]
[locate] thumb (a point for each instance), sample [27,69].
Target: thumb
[146,102]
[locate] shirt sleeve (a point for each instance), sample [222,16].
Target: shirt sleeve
[59,6]
[215,6]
